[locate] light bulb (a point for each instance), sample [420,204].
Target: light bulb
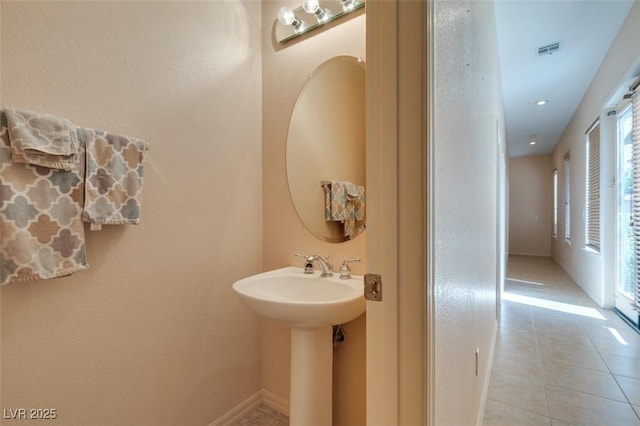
[311,6]
[348,5]
[286,16]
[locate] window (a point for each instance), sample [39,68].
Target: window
[555,203]
[567,197]
[592,228]
[635,202]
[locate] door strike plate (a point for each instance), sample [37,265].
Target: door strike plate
[373,287]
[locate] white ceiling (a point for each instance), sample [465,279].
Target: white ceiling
[585,30]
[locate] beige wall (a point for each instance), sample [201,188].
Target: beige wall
[285,69]
[468,111]
[1,379]
[152,333]
[594,272]
[530,205]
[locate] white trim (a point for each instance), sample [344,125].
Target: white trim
[590,250]
[382,135]
[413,189]
[428,33]
[485,390]
[608,205]
[400,342]
[275,402]
[261,397]
[240,410]
[530,254]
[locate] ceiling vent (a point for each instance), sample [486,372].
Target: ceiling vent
[549,49]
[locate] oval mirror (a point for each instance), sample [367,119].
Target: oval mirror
[326,143]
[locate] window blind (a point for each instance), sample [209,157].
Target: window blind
[555,203]
[636,189]
[593,188]
[567,197]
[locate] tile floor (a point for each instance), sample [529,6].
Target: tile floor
[263,416]
[565,363]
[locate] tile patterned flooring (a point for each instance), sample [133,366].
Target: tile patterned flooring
[566,362]
[263,416]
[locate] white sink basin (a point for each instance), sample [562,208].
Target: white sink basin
[303,300]
[310,304]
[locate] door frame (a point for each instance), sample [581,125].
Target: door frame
[623,307]
[400,328]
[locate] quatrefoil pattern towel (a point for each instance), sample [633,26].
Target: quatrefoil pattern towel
[113,178]
[345,202]
[42,139]
[41,228]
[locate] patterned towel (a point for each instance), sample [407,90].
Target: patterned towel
[41,228]
[42,140]
[114,171]
[345,202]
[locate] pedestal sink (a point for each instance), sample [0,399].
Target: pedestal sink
[311,305]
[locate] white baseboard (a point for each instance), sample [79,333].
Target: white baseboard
[485,387]
[263,396]
[275,402]
[531,254]
[239,410]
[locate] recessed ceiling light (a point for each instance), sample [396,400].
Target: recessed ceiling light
[541,102]
[533,143]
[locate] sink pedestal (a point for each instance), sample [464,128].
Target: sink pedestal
[311,376]
[310,304]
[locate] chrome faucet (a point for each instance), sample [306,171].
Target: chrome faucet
[325,267]
[345,271]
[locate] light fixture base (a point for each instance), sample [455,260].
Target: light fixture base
[336,9]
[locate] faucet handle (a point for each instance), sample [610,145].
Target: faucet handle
[308,263]
[345,272]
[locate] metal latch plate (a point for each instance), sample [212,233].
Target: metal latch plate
[373,287]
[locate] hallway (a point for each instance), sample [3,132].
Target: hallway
[559,359]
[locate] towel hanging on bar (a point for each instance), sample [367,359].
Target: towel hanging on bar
[114,172]
[45,193]
[345,202]
[42,139]
[41,229]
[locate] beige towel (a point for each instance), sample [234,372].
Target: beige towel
[42,139]
[41,228]
[113,184]
[345,202]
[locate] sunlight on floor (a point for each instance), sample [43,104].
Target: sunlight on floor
[559,358]
[556,306]
[617,335]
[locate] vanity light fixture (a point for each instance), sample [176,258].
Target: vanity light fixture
[348,5]
[288,18]
[313,6]
[289,24]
